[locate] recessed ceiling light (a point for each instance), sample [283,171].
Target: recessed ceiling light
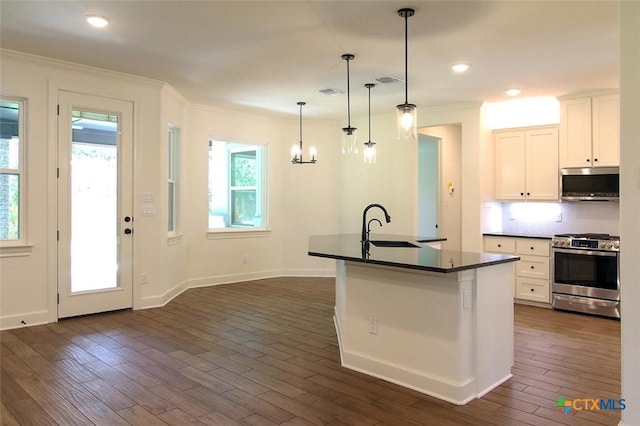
[97,21]
[460,68]
[513,92]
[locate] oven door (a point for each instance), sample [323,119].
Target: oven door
[588,273]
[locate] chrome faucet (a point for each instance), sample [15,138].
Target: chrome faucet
[365,231]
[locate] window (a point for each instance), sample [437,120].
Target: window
[173,179]
[12,175]
[237,186]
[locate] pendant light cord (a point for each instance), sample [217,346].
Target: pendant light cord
[406,58]
[369,86]
[348,97]
[301,104]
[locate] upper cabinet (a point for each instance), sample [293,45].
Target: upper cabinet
[590,131]
[527,164]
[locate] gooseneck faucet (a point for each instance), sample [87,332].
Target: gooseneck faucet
[365,235]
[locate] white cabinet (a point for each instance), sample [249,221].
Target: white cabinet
[532,271]
[527,164]
[590,131]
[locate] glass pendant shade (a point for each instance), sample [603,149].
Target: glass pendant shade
[370,153]
[407,115]
[349,140]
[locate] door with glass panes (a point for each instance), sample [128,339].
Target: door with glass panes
[95,211]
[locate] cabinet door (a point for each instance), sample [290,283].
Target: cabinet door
[542,164]
[533,247]
[510,171]
[606,130]
[533,267]
[532,289]
[495,244]
[575,133]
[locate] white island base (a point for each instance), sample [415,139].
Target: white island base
[448,335]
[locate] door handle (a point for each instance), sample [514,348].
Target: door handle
[128,231]
[128,219]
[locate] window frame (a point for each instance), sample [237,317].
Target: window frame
[261,188]
[21,172]
[232,153]
[173,181]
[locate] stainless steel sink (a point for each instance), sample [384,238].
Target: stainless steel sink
[388,243]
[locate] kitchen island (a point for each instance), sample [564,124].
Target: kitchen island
[436,321]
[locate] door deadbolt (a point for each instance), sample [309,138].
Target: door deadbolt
[128,231]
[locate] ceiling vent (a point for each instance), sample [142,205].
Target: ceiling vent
[388,79]
[331,91]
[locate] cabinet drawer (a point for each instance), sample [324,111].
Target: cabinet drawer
[500,244]
[533,267]
[532,289]
[533,247]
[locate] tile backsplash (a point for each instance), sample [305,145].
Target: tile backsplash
[557,218]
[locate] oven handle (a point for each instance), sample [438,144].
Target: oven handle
[585,252]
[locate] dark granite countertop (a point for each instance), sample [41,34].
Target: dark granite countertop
[425,258]
[510,234]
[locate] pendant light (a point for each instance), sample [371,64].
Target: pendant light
[370,147]
[407,113]
[296,149]
[349,136]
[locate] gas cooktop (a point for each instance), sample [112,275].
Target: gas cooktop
[587,241]
[590,236]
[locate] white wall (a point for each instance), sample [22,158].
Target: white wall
[629,207]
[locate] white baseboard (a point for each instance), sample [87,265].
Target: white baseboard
[26,319]
[161,300]
[42,317]
[166,297]
[438,387]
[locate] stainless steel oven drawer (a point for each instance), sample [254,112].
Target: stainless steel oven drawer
[608,308]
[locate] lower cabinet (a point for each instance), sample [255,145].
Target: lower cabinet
[532,271]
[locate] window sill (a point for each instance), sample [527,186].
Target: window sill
[237,233]
[174,239]
[16,250]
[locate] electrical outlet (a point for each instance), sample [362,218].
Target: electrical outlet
[373,326]
[559,217]
[245,258]
[144,278]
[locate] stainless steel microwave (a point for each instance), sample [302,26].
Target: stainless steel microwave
[590,184]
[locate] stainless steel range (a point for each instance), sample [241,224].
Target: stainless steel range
[585,273]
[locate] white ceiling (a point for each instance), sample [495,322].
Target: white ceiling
[267,55]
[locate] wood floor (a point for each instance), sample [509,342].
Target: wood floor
[265,353]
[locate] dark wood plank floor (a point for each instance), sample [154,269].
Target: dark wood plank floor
[265,353]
